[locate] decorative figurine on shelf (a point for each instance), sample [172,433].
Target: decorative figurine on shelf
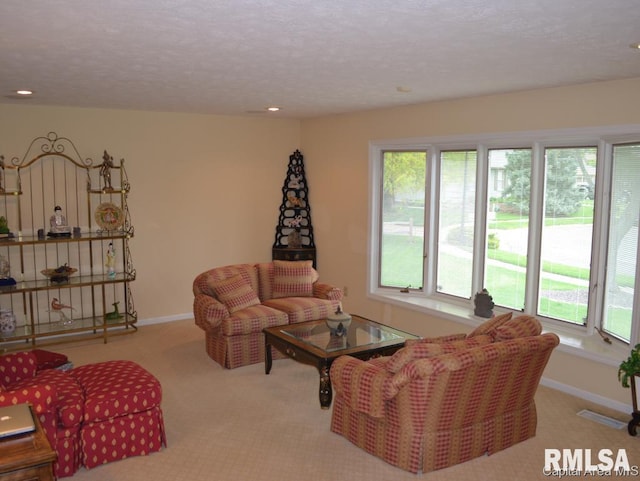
[58,224]
[111,261]
[57,307]
[294,238]
[105,171]
[4,228]
[115,314]
[5,273]
[484,304]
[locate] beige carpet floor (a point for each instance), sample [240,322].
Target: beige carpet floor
[243,425]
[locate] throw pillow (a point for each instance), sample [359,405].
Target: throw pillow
[48,359]
[487,327]
[292,279]
[234,292]
[521,326]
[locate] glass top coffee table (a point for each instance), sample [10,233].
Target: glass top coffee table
[313,343]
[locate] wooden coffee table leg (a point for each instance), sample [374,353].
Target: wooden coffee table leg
[267,357]
[326,393]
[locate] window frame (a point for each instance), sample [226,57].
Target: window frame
[449,307]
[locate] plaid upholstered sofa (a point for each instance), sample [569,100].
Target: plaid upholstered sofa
[234,303]
[91,414]
[444,401]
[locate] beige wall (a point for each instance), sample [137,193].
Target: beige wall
[337,152]
[205,190]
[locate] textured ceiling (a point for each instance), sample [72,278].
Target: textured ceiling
[310,57]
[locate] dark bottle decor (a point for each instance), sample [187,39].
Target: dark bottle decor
[294,233]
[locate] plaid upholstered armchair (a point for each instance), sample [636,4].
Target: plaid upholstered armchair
[440,402]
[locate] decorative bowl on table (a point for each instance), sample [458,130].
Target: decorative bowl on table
[338,323]
[59,274]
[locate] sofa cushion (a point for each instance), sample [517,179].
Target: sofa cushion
[292,279]
[265,277]
[301,309]
[252,320]
[425,350]
[201,282]
[521,326]
[488,326]
[234,292]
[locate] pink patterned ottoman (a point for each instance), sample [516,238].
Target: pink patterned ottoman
[122,414]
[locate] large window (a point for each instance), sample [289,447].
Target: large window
[456,222]
[548,226]
[622,246]
[402,239]
[507,227]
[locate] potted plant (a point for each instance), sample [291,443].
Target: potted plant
[629,376]
[629,367]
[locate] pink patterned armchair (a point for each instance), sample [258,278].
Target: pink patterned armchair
[86,412]
[440,402]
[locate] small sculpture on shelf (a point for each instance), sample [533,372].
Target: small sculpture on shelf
[294,238]
[58,226]
[115,314]
[5,233]
[111,261]
[105,171]
[57,307]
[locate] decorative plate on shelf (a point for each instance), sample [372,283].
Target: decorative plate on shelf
[109,216]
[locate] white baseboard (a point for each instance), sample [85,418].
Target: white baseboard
[588,396]
[160,320]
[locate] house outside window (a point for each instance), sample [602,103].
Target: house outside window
[547,223]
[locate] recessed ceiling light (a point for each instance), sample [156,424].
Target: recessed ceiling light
[403,90]
[635,46]
[24,92]
[273,109]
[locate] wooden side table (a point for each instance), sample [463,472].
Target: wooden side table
[27,457]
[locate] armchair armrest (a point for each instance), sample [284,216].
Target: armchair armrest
[16,366]
[436,340]
[360,384]
[43,397]
[327,291]
[208,312]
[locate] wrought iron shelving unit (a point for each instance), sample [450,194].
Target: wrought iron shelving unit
[93,198]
